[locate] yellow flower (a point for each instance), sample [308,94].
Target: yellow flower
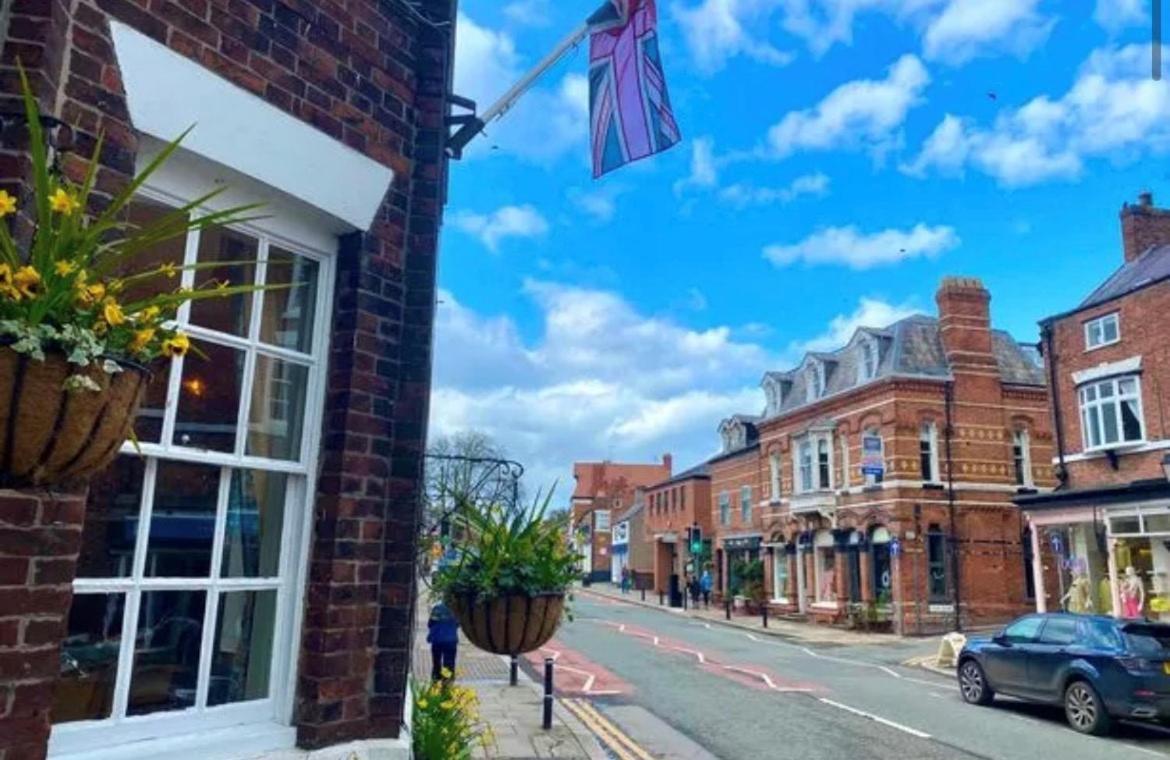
[223,285]
[142,338]
[87,295]
[112,312]
[422,704]
[63,202]
[6,288]
[169,270]
[176,346]
[149,314]
[28,281]
[446,673]
[7,204]
[447,705]
[65,268]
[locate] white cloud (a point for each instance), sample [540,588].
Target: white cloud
[717,30]
[858,250]
[870,312]
[505,222]
[544,125]
[1116,15]
[704,171]
[1113,110]
[528,12]
[824,23]
[743,194]
[864,113]
[969,28]
[600,202]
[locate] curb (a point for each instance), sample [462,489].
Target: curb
[588,741]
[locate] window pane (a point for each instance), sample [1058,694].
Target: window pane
[1094,416]
[1058,630]
[1109,422]
[166,651]
[1094,333]
[1127,387]
[1124,525]
[142,212]
[1157,523]
[148,424]
[209,398]
[255,518]
[1023,631]
[1105,390]
[286,319]
[111,520]
[89,658]
[241,661]
[1109,329]
[1131,425]
[231,314]
[1090,393]
[278,409]
[182,524]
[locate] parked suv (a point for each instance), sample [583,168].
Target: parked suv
[1097,667]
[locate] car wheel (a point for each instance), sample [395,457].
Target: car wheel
[1085,710]
[973,684]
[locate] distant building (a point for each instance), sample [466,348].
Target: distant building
[878,483]
[603,489]
[630,549]
[1101,541]
[673,506]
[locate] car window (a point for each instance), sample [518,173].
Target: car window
[1059,631]
[1100,634]
[1024,630]
[1148,640]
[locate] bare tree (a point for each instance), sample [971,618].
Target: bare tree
[469,467]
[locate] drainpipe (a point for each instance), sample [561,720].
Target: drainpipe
[958,593]
[1054,393]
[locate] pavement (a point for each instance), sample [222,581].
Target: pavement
[685,686]
[513,712]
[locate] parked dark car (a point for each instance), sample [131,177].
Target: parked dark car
[1098,668]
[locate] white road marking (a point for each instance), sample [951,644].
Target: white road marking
[767,680]
[876,718]
[856,663]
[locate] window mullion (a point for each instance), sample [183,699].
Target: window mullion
[212,601]
[134,595]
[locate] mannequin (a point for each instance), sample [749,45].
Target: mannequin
[1079,598]
[1133,594]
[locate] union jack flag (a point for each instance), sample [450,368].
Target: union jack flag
[629,108]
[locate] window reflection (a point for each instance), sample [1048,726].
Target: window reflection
[111,520]
[255,518]
[232,314]
[209,398]
[278,409]
[149,423]
[287,317]
[242,654]
[143,212]
[166,651]
[182,525]
[89,658]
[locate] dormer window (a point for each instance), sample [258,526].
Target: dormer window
[773,395]
[816,381]
[869,360]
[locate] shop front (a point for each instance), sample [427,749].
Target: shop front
[1139,550]
[1069,556]
[743,561]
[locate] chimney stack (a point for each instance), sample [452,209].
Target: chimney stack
[964,318]
[1143,226]
[668,463]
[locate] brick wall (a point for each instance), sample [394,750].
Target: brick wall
[40,535]
[728,476]
[691,503]
[370,75]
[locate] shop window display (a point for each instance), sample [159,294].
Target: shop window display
[1142,555]
[1084,567]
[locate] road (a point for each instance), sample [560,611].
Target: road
[683,688]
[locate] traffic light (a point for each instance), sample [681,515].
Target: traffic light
[695,536]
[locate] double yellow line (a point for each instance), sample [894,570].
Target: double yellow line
[612,736]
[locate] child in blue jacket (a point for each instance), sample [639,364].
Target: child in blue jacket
[443,635]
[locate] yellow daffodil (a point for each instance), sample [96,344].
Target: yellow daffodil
[176,346]
[63,202]
[7,204]
[142,338]
[112,312]
[422,704]
[149,314]
[6,288]
[65,268]
[169,270]
[447,705]
[445,673]
[27,280]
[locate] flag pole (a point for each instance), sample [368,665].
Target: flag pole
[474,125]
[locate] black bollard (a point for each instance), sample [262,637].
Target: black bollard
[765,614]
[727,608]
[684,598]
[643,593]
[546,722]
[514,670]
[660,595]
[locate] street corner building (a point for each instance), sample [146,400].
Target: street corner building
[243,586]
[877,486]
[1101,540]
[675,507]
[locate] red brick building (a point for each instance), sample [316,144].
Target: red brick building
[1100,539]
[672,507]
[246,585]
[880,480]
[603,490]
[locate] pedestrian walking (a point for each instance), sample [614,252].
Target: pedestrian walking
[705,587]
[625,580]
[443,636]
[694,589]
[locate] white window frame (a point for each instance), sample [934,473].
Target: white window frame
[928,433]
[802,480]
[875,432]
[1100,322]
[774,476]
[1023,440]
[1095,407]
[724,508]
[813,484]
[779,585]
[745,504]
[816,381]
[275,711]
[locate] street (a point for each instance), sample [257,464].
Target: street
[685,688]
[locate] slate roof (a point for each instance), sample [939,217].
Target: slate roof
[911,347]
[698,471]
[1150,267]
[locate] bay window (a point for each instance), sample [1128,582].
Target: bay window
[814,463]
[806,466]
[1111,412]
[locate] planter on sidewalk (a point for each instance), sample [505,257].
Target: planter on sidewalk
[512,624]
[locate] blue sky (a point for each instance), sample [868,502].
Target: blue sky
[839,158]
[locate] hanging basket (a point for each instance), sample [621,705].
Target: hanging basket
[53,436]
[512,624]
